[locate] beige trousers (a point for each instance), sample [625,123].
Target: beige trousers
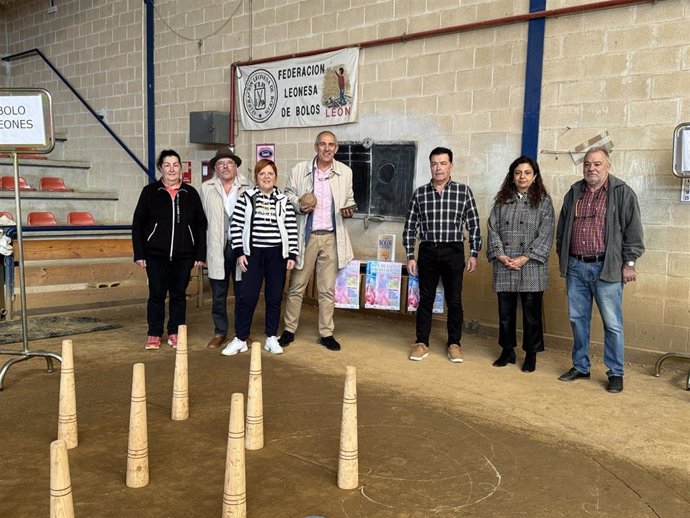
[321,252]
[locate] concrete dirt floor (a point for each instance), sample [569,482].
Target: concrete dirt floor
[436,439]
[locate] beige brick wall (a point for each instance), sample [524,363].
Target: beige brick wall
[622,70]
[97,46]
[629,88]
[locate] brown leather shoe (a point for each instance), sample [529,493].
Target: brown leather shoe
[419,352]
[216,342]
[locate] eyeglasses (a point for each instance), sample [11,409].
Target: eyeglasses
[330,175]
[225,163]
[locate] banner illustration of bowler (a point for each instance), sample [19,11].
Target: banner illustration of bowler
[318,90]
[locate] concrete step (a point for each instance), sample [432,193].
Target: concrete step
[75,173]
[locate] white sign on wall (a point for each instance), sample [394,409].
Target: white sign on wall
[318,90]
[25,120]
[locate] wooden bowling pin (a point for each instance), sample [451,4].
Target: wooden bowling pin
[348,458]
[235,490]
[138,446]
[67,407]
[61,504]
[254,438]
[180,398]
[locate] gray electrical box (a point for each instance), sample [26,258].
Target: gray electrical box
[209,128]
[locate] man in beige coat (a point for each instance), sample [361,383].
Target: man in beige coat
[323,243]
[218,197]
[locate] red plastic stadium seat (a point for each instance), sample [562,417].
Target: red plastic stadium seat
[41,219]
[7,184]
[80,218]
[52,183]
[7,215]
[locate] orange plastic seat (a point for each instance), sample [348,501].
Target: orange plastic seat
[7,184]
[53,183]
[7,215]
[41,219]
[80,218]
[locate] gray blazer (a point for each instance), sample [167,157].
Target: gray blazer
[515,228]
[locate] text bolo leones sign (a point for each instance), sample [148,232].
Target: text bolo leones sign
[26,122]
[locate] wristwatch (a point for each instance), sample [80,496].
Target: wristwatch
[630,263]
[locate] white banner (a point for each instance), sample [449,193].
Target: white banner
[318,90]
[22,121]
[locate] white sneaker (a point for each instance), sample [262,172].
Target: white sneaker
[272,345]
[234,347]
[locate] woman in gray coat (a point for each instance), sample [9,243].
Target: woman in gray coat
[521,227]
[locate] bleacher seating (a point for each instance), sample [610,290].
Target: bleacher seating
[80,218]
[53,183]
[41,219]
[7,184]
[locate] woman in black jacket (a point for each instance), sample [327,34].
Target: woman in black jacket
[168,238]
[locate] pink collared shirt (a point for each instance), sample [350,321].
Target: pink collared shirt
[323,218]
[172,190]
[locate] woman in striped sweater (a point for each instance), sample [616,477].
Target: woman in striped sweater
[264,238]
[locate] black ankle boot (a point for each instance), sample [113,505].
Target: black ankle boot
[530,362]
[507,356]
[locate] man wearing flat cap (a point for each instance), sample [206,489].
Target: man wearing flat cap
[218,197]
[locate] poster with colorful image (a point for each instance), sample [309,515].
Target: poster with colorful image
[382,285]
[413,295]
[347,286]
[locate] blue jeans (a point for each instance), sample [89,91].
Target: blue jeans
[583,285]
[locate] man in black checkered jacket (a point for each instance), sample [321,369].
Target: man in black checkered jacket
[437,212]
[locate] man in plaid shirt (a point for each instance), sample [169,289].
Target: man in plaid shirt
[438,210]
[598,239]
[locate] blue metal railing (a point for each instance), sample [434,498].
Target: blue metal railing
[83,101]
[11,231]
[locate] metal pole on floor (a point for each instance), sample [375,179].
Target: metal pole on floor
[25,353]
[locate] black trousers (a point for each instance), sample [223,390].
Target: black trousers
[166,276]
[268,267]
[445,262]
[532,325]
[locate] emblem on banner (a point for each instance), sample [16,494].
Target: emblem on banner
[260,96]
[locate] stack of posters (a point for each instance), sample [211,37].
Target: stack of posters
[383,285]
[413,295]
[347,286]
